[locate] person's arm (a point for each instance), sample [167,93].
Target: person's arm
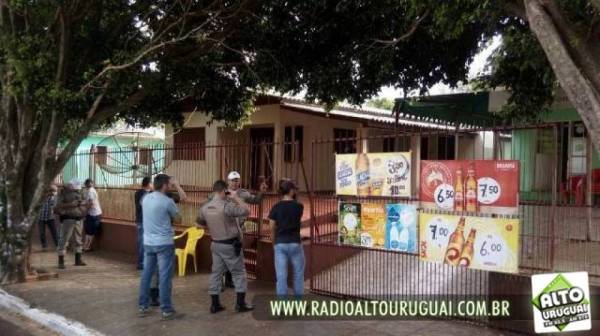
[200,221]
[236,208]
[174,212]
[249,198]
[273,227]
[182,194]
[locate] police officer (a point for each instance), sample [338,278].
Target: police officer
[219,216]
[71,209]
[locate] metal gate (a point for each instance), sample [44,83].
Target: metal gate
[559,210]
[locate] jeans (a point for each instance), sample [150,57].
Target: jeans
[53,232]
[162,256]
[140,246]
[294,253]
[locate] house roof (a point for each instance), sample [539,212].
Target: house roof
[372,115]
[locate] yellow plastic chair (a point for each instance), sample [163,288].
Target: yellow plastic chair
[194,234]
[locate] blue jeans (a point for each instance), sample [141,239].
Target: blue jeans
[162,256]
[294,253]
[140,246]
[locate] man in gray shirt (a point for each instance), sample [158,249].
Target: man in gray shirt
[219,216]
[233,186]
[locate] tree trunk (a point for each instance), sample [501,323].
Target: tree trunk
[13,240]
[583,94]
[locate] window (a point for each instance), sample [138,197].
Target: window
[188,144]
[345,141]
[446,146]
[144,155]
[299,137]
[100,155]
[389,145]
[287,151]
[293,149]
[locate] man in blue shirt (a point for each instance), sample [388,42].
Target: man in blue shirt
[158,212]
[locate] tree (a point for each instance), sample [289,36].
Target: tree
[382,103]
[68,67]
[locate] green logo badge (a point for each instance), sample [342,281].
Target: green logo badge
[562,302]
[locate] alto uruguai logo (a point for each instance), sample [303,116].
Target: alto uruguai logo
[561,302]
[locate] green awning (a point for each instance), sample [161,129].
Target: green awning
[463,109]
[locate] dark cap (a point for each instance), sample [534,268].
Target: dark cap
[286,185]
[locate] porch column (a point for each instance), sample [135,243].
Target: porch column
[363,144]
[415,169]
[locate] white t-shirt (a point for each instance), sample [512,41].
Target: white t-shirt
[91,196]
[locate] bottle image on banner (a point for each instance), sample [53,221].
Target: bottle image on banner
[403,239]
[376,177]
[471,189]
[394,237]
[466,255]
[362,174]
[459,192]
[455,244]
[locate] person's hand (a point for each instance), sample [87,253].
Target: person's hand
[263,187]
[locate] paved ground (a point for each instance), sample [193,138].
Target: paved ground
[103,296]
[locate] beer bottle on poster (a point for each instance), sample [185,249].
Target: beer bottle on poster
[362,175]
[459,192]
[455,244]
[466,256]
[471,189]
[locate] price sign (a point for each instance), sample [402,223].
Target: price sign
[438,231]
[488,190]
[491,250]
[444,196]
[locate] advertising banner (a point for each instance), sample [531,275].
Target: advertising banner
[385,226]
[373,174]
[477,186]
[373,225]
[401,228]
[484,243]
[349,223]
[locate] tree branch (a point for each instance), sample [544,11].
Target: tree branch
[406,35]
[62,48]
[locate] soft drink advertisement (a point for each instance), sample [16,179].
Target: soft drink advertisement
[373,174]
[401,228]
[349,223]
[373,225]
[479,186]
[389,226]
[484,243]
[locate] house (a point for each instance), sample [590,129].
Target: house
[286,137]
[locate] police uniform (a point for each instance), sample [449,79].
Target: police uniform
[71,225]
[220,216]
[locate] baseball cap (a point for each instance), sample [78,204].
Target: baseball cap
[75,184]
[233,175]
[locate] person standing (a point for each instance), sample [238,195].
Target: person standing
[285,221]
[158,212]
[234,187]
[71,209]
[219,216]
[93,218]
[47,218]
[139,195]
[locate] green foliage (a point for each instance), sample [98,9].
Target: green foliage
[382,103]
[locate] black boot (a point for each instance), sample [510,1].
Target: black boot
[78,261]
[229,280]
[241,306]
[215,307]
[154,297]
[61,262]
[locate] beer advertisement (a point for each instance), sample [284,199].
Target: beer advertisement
[401,228]
[349,223]
[373,218]
[373,174]
[483,243]
[475,186]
